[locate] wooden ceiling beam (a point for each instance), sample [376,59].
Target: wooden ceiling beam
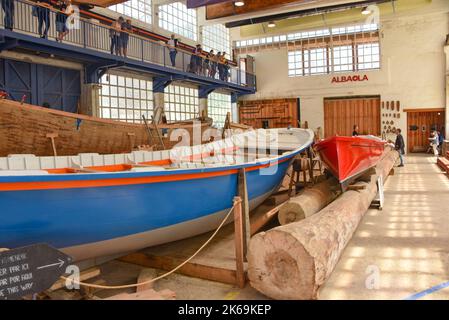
[227,9]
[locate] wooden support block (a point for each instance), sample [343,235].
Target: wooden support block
[146,275]
[85,275]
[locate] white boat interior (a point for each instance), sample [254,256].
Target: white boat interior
[247,147]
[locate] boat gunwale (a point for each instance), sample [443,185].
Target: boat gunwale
[254,165]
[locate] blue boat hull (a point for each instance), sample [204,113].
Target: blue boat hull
[95,221]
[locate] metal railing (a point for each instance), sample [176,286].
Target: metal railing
[96,36]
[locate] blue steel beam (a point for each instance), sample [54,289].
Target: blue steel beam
[8,43]
[88,56]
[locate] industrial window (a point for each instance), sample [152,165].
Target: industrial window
[315,61]
[368,56]
[307,62]
[320,33]
[175,17]
[181,103]
[136,9]
[216,37]
[342,58]
[125,98]
[295,66]
[218,105]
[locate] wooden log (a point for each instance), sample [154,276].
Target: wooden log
[308,202]
[295,260]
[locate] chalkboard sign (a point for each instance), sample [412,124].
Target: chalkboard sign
[30,270]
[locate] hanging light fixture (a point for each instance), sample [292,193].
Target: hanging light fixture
[239,3]
[271,24]
[366,11]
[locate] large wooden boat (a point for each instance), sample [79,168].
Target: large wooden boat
[28,129]
[349,157]
[93,205]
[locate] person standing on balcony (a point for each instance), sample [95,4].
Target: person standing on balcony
[225,66]
[212,64]
[63,6]
[208,62]
[172,45]
[219,66]
[8,9]
[114,34]
[127,28]
[43,17]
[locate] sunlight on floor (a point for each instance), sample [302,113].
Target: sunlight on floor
[404,248]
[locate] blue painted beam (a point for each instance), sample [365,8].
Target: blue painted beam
[8,43]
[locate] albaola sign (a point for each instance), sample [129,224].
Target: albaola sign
[354,78]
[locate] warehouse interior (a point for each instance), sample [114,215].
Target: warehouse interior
[225,150]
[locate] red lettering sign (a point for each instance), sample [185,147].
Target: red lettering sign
[354,78]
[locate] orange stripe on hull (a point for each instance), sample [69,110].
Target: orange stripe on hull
[47,185]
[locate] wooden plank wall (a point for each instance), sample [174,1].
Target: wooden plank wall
[280,113]
[341,114]
[425,121]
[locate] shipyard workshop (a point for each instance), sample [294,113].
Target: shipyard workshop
[224,150]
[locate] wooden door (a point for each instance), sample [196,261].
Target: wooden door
[420,124]
[341,114]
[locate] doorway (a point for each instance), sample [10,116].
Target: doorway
[420,124]
[341,114]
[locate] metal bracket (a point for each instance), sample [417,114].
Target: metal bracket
[94,72]
[160,83]
[204,91]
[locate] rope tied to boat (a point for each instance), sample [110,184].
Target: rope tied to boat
[70,281]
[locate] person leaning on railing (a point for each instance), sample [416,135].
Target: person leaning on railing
[65,9]
[42,12]
[172,44]
[114,34]
[8,9]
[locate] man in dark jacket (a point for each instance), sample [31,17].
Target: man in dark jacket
[400,146]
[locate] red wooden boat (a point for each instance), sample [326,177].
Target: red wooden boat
[349,157]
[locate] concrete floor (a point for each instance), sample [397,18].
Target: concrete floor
[403,249]
[394,253]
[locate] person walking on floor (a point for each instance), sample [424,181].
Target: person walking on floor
[124,36]
[172,45]
[114,34]
[43,17]
[8,9]
[399,145]
[434,143]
